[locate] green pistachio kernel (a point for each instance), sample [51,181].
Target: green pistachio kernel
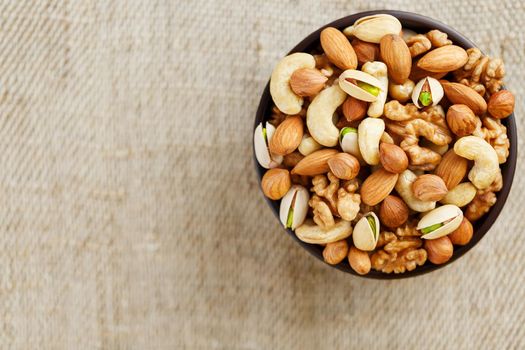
[431,228]
[372,224]
[374,90]
[344,131]
[425,98]
[265,136]
[289,220]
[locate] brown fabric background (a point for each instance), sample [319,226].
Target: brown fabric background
[130,212]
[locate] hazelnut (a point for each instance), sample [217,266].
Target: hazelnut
[463,234]
[344,166]
[501,104]
[393,211]
[439,250]
[275,183]
[461,120]
[354,109]
[429,187]
[393,158]
[366,52]
[359,261]
[335,252]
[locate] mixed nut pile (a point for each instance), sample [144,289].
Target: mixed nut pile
[384,145]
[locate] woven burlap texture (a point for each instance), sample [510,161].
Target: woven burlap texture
[131,214]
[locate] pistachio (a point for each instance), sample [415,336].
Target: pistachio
[366,232]
[294,207]
[440,221]
[349,142]
[261,139]
[361,85]
[372,28]
[427,92]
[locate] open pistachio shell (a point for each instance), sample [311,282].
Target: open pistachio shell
[436,91]
[294,207]
[354,90]
[373,28]
[349,143]
[365,234]
[260,142]
[440,221]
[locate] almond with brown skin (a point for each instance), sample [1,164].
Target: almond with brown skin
[461,94]
[344,166]
[366,52]
[452,169]
[338,49]
[359,261]
[429,187]
[463,234]
[315,163]
[444,59]
[501,104]
[287,136]
[393,211]
[377,186]
[335,252]
[396,55]
[393,158]
[461,120]
[275,183]
[307,81]
[417,73]
[354,109]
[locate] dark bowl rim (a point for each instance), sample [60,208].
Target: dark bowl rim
[482,226]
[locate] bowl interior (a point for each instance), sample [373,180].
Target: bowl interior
[421,24]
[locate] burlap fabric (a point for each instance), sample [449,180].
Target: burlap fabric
[131,215]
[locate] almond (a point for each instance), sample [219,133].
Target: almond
[393,158]
[463,234]
[344,166]
[307,81]
[315,163]
[365,52]
[416,74]
[429,187]
[501,104]
[354,109]
[396,55]
[287,137]
[338,49]
[461,120]
[444,59]
[461,94]
[275,183]
[452,169]
[377,186]
[393,211]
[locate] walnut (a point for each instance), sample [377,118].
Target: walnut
[398,254]
[482,73]
[408,229]
[418,44]
[494,133]
[438,38]
[484,200]
[411,123]
[339,198]
[322,213]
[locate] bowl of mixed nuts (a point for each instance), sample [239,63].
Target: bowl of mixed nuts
[385,143]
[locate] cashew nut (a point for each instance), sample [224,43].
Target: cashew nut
[310,232]
[378,70]
[460,195]
[486,165]
[369,134]
[319,115]
[308,145]
[283,96]
[404,188]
